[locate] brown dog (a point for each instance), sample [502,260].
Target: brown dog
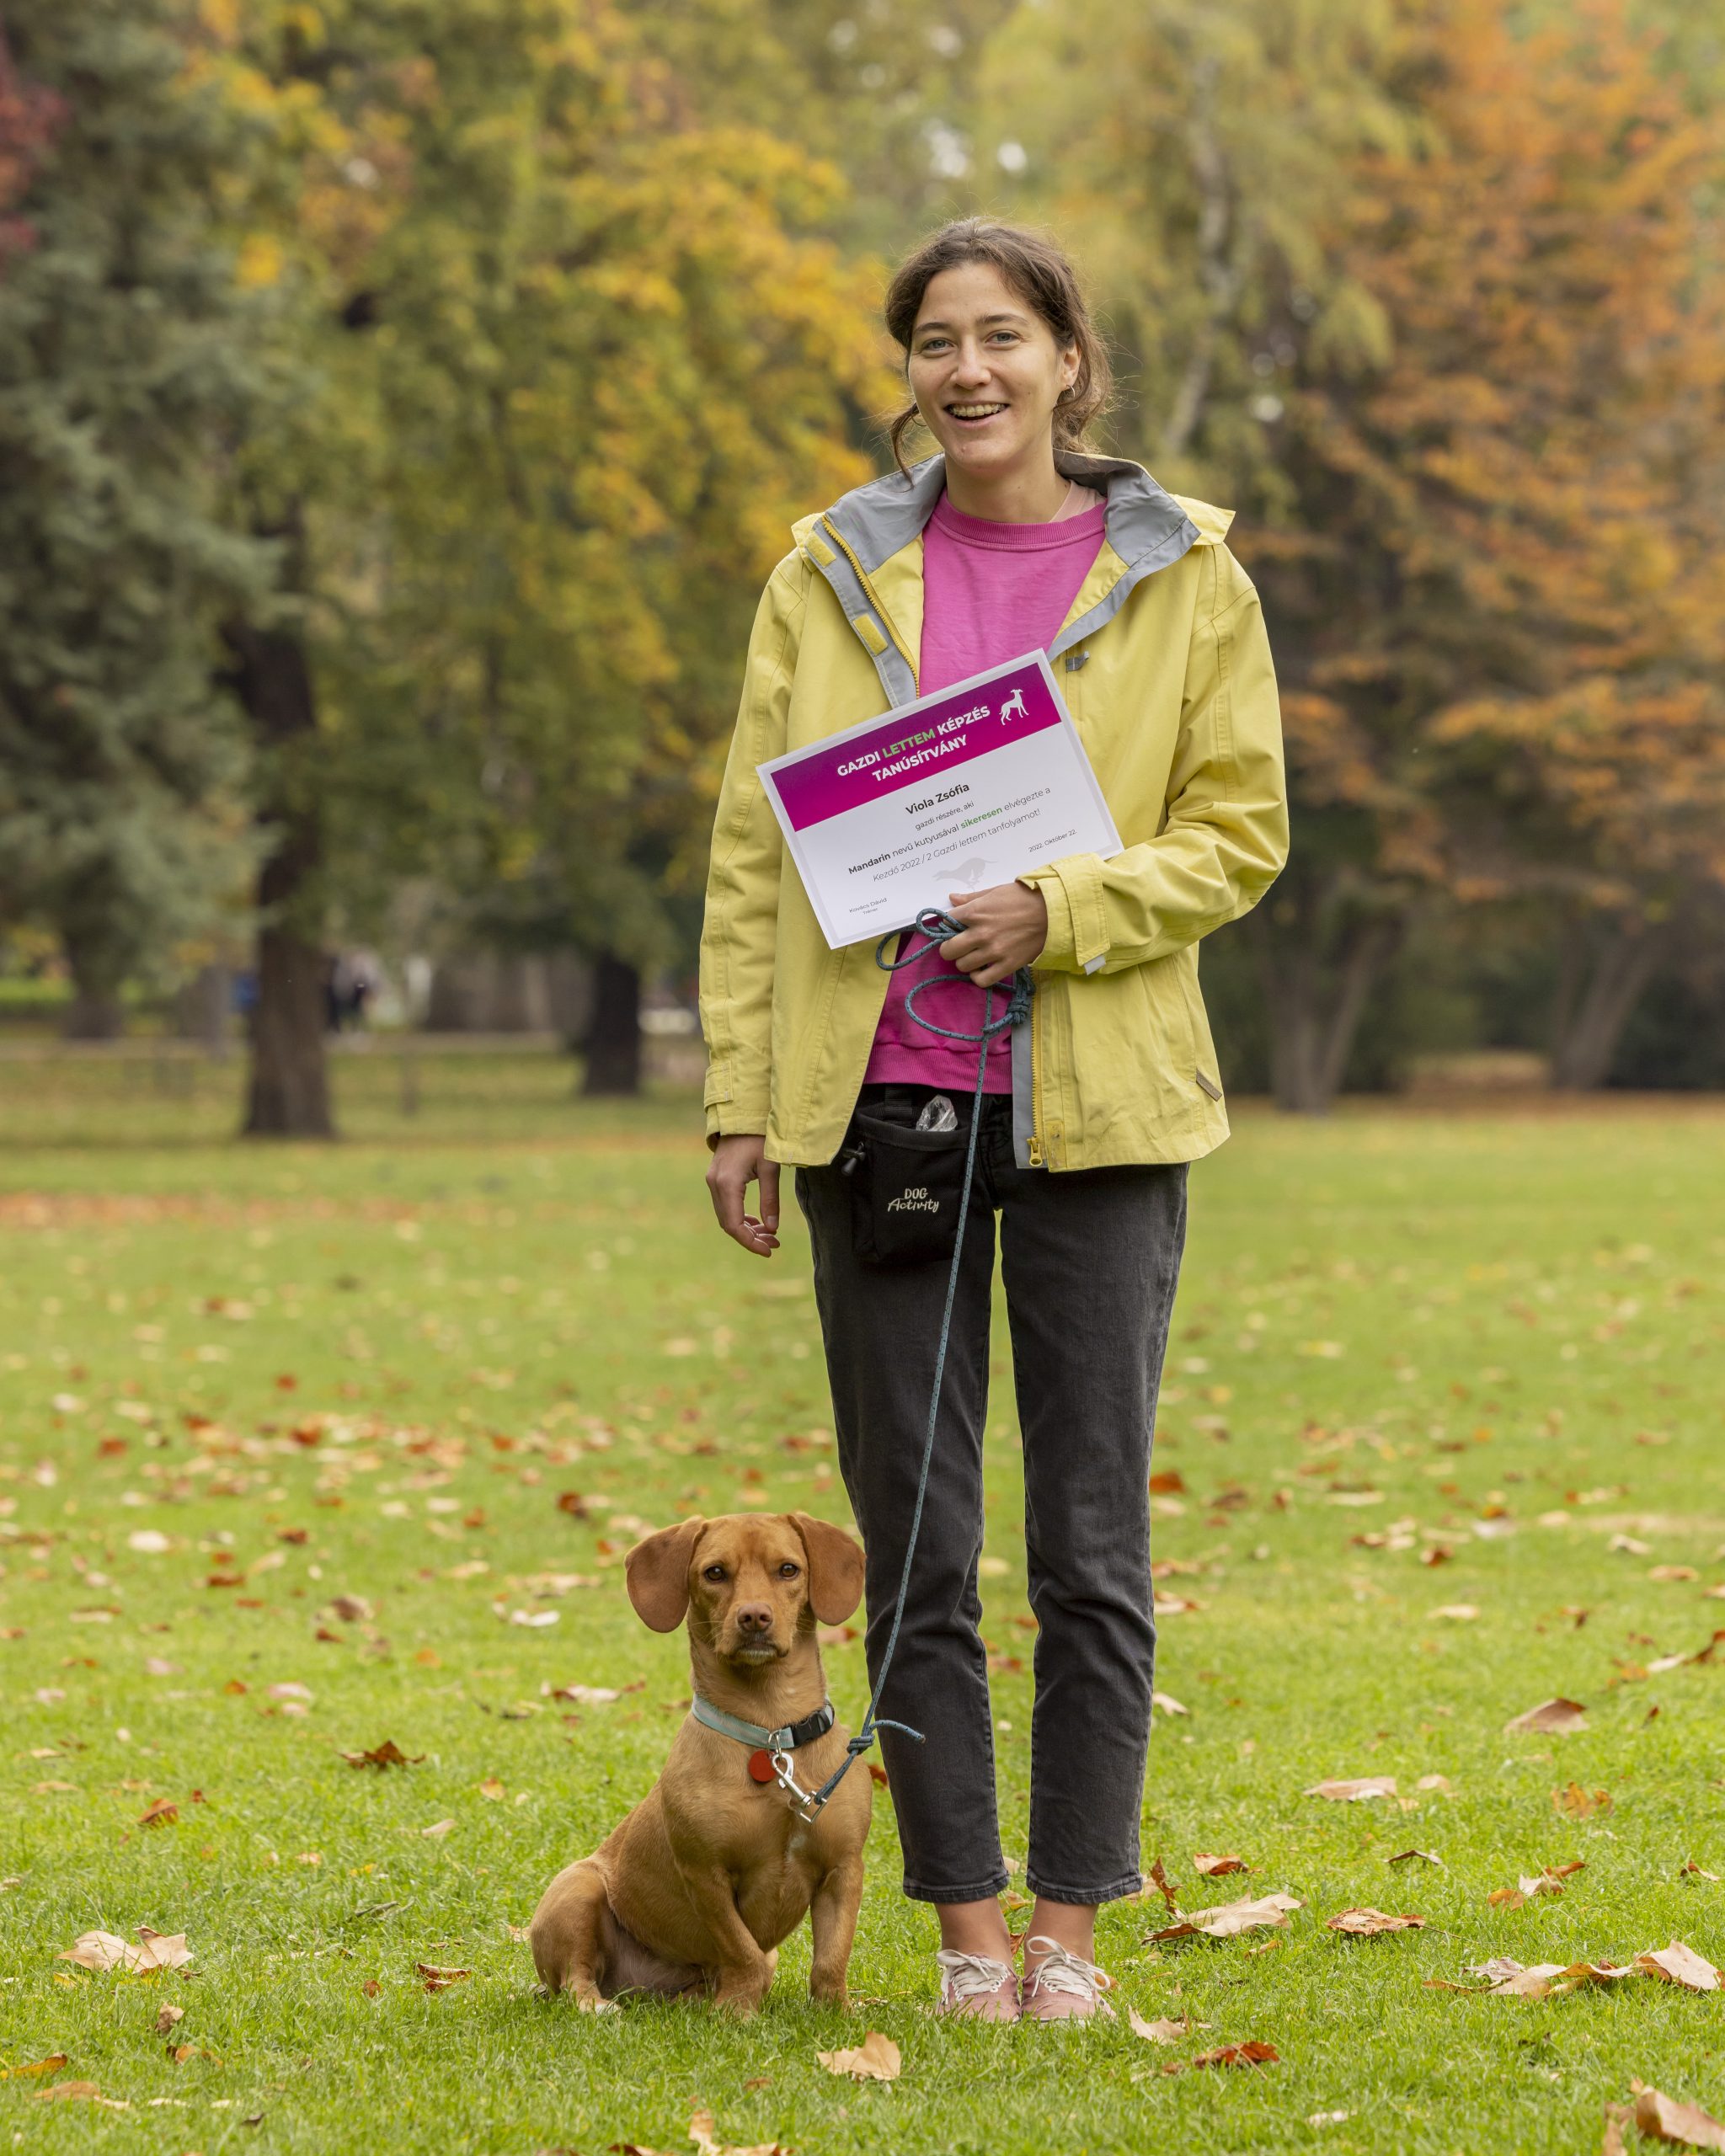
[694,1890]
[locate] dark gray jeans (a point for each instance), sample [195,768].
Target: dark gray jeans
[1090,1260]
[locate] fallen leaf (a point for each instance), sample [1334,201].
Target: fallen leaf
[1557,1717]
[1217,1867]
[1165,1703]
[493,1788]
[291,1690]
[703,2131]
[103,1950]
[164,1812]
[351,1608]
[1159,1880]
[438,1828]
[1412,1856]
[148,1541]
[437,1979]
[51,2064]
[1689,1865]
[1678,1964]
[1354,1792]
[1462,1613]
[1155,2032]
[1630,1547]
[1507,1897]
[389,1753]
[167,2017]
[587,1695]
[79,2092]
[876,2058]
[1663,2120]
[1509,1979]
[1668,1575]
[1439,1784]
[1250,2054]
[1617,2116]
[1263,1912]
[1366,1924]
[1580,1803]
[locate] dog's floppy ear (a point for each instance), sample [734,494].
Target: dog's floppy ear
[657,1570]
[835,1568]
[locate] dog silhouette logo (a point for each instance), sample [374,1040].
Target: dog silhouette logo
[1013,707]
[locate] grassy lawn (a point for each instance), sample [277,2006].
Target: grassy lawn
[296,1418]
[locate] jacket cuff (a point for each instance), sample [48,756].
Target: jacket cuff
[734,1110]
[1077,923]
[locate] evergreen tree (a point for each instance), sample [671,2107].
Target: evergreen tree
[125,366]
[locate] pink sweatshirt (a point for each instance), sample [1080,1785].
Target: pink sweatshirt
[990,592]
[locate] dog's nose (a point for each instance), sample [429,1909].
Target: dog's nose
[755,1617]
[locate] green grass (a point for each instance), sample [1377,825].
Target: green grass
[503,1300]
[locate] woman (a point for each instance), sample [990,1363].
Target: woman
[1009,539]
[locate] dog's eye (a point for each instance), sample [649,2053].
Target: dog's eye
[713,1573]
[787,1571]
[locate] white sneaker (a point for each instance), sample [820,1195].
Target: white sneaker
[976,1987]
[1062,1986]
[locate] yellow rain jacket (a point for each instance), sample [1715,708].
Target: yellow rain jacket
[1166,669]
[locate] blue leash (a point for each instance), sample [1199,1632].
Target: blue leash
[937,928]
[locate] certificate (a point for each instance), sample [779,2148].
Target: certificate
[956,792]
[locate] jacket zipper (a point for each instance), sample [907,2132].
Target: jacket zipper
[1036,1081]
[872,596]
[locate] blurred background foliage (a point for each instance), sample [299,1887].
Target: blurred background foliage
[403,401]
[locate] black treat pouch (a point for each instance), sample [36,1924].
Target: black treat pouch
[905,1184]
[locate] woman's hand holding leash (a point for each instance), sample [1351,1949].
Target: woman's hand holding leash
[737,1161]
[1004,928]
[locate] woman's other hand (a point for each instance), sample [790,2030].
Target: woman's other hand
[1004,928]
[736,1162]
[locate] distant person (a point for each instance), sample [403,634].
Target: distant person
[1012,538]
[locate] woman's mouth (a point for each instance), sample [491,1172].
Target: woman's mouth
[974,415]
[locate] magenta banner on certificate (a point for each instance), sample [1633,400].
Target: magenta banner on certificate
[956,792]
[900,751]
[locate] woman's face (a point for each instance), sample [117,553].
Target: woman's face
[985,371]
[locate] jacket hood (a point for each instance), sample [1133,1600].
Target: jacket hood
[1147,527]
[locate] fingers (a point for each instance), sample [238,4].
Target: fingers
[735,1166]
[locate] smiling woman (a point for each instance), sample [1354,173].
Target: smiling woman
[1014,538]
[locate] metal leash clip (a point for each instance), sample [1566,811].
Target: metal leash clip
[802,1800]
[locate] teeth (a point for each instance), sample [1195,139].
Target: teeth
[975,411]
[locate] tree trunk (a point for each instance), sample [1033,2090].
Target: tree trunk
[1598,994]
[1315,1008]
[288,1096]
[614,1040]
[95,1012]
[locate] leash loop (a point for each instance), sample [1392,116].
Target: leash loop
[937,928]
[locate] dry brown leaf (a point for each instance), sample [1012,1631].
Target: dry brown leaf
[1159,1880]
[1509,1979]
[1262,1913]
[1558,1717]
[1366,1924]
[703,2131]
[876,2058]
[389,1753]
[1439,1784]
[1217,1867]
[102,1950]
[1354,1792]
[1507,1897]
[51,2064]
[1165,1703]
[493,1788]
[1617,2116]
[1678,1964]
[437,1979]
[1668,1575]
[1580,1803]
[1249,2054]
[1412,1856]
[167,2017]
[1700,1871]
[1153,2032]
[164,1812]
[79,2092]
[438,1828]
[1663,2120]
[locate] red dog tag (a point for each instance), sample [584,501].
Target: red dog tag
[760,1767]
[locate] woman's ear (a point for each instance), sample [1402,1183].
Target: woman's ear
[657,1572]
[835,1568]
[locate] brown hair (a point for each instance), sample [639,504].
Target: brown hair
[1039,273]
